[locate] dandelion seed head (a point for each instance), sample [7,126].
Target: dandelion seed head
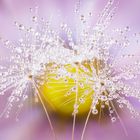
[43,56]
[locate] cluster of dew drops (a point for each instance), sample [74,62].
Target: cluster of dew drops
[41,45]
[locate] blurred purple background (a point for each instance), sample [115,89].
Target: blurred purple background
[33,124]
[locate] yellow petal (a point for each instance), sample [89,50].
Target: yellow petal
[60,91]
